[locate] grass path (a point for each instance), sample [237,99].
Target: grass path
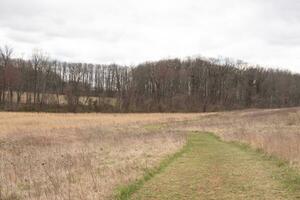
[212,169]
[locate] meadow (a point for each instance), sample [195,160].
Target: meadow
[79,156]
[274,131]
[89,156]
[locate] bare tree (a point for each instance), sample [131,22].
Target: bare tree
[5,53]
[169,85]
[38,61]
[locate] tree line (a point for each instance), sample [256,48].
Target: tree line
[169,85]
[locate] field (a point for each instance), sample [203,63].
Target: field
[275,131]
[212,169]
[90,156]
[53,99]
[84,156]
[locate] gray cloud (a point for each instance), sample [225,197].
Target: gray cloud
[130,31]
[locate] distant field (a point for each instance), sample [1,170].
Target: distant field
[88,156]
[60,99]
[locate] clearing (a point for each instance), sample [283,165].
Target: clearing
[212,169]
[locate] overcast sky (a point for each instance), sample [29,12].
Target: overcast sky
[264,32]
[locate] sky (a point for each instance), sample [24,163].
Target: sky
[265,32]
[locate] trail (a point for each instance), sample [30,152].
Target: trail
[212,169]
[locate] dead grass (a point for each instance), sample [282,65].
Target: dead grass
[275,131]
[79,156]
[213,169]
[86,156]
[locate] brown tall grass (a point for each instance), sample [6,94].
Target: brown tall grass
[79,156]
[275,131]
[86,156]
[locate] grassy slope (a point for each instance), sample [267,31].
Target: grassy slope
[212,169]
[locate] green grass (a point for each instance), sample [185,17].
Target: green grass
[154,127]
[208,168]
[125,192]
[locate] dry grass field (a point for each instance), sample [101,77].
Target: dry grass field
[275,131]
[87,156]
[79,156]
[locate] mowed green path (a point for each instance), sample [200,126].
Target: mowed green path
[212,169]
